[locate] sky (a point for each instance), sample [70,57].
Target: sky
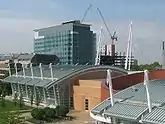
[18,19]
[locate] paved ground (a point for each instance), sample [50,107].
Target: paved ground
[80,118]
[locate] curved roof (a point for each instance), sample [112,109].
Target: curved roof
[131,104]
[60,73]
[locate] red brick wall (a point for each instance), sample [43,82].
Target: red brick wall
[125,81]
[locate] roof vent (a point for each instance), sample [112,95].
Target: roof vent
[134,89]
[73,69]
[61,69]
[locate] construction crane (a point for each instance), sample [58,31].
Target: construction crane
[86,12]
[113,37]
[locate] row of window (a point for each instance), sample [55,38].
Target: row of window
[66,32]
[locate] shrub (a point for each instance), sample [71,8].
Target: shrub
[49,112]
[61,110]
[38,114]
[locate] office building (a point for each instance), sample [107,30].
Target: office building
[72,42]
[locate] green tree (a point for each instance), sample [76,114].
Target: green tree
[152,66]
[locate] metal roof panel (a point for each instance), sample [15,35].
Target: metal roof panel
[156,116]
[126,110]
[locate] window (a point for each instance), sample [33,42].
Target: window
[86,104]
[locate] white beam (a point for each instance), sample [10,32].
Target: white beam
[98,48]
[31,68]
[16,71]
[26,91]
[130,48]
[23,70]
[146,82]
[9,69]
[109,81]
[51,71]
[44,95]
[55,95]
[40,66]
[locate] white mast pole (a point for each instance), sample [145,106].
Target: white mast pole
[109,81]
[130,51]
[23,70]
[31,68]
[40,66]
[16,71]
[9,69]
[146,82]
[51,70]
[128,48]
[98,51]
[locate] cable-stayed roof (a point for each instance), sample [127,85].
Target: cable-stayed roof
[60,72]
[131,104]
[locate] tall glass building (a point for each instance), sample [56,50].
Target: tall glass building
[73,42]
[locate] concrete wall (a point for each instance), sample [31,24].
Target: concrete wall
[122,82]
[86,89]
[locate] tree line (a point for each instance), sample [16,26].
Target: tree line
[153,66]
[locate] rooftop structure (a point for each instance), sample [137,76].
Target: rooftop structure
[131,105]
[55,83]
[36,59]
[72,42]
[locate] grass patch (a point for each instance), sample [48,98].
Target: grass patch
[11,106]
[9,109]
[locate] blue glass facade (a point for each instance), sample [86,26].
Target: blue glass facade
[72,42]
